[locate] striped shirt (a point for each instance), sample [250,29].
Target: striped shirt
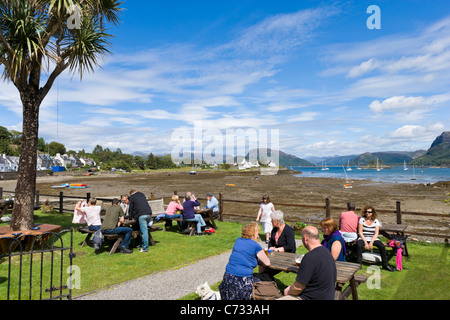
[369,231]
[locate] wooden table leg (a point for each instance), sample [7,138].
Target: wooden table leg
[116,244]
[150,238]
[194,228]
[353,286]
[88,237]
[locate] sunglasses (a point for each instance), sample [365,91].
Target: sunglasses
[368,211]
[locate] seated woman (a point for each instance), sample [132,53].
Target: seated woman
[189,212]
[282,238]
[332,239]
[171,211]
[368,230]
[238,280]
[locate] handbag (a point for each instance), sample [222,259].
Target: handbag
[265,290]
[79,217]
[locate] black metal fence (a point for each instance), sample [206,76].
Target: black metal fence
[37,267]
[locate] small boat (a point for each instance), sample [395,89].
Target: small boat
[404,165]
[347,185]
[348,166]
[64,185]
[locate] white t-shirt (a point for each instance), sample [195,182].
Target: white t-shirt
[369,231]
[93,215]
[267,210]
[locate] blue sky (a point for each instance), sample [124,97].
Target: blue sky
[310,69]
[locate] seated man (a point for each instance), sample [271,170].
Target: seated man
[92,212]
[348,223]
[212,203]
[125,204]
[316,277]
[111,225]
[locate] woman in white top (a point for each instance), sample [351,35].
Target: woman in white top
[265,210]
[368,230]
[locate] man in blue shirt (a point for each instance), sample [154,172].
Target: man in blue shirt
[212,203]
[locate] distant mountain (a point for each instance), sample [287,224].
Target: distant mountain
[438,154]
[285,159]
[386,158]
[289,160]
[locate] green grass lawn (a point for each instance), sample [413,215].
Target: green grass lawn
[425,274]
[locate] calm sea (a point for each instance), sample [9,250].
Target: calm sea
[394,175]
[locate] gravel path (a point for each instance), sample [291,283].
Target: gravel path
[166,285]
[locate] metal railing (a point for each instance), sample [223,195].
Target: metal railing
[37,261]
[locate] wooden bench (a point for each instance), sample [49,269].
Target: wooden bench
[358,279]
[117,237]
[6,207]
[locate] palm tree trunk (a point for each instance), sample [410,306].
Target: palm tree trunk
[22,216]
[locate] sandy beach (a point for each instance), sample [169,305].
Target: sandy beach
[283,188]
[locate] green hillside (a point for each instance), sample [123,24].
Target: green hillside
[438,154]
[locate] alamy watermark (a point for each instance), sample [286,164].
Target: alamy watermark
[374,21]
[245,148]
[74,21]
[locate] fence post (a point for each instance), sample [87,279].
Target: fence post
[220,207]
[1,193]
[327,207]
[61,202]
[152,196]
[88,196]
[399,212]
[175,192]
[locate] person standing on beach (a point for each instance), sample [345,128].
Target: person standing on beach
[265,210]
[139,210]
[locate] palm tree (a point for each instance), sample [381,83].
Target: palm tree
[40,39]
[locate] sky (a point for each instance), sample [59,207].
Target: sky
[315,76]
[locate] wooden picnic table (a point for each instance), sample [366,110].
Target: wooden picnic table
[118,237]
[207,215]
[388,230]
[5,205]
[44,230]
[286,261]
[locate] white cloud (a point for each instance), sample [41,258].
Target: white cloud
[408,104]
[420,132]
[363,68]
[304,116]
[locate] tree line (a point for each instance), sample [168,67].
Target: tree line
[109,159]
[11,140]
